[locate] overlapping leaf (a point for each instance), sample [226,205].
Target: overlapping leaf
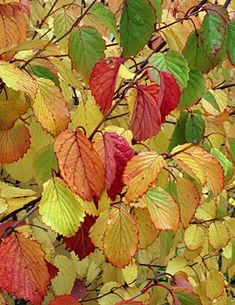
[141,172]
[79,164]
[23,271]
[163,209]
[130,302]
[64,300]
[230,41]
[50,107]
[185,297]
[136,25]
[60,208]
[194,237]
[120,240]
[103,80]
[218,235]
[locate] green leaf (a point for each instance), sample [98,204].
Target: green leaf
[194,89]
[136,26]
[232,147]
[44,72]
[211,99]
[186,296]
[195,127]
[230,41]
[213,31]
[172,62]
[86,48]
[157,5]
[105,17]
[60,208]
[224,162]
[178,136]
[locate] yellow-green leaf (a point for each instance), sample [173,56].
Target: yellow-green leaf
[194,237]
[218,235]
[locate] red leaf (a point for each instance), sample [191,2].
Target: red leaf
[146,119]
[169,94]
[23,271]
[80,165]
[52,270]
[103,80]
[64,300]
[81,243]
[79,290]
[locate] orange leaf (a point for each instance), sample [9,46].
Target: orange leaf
[23,271]
[13,27]
[64,300]
[10,111]
[80,165]
[120,240]
[14,143]
[2,300]
[103,80]
[141,172]
[146,119]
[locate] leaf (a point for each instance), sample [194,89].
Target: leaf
[172,62]
[64,300]
[86,48]
[195,127]
[44,72]
[146,119]
[106,17]
[157,5]
[169,93]
[14,143]
[136,26]
[50,107]
[185,297]
[194,237]
[79,164]
[163,209]
[218,235]
[103,80]
[10,111]
[230,41]
[210,98]
[201,165]
[188,199]
[215,284]
[13,27]
[146,229]
[194,90]
[225,163]
[120,240]
[16,79]
[180,280]
[23,271]
[213,30]
[178,136]
[137,175]
[60,208]
[81,243]
[130,302]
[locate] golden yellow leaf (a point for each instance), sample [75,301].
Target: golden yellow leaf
[194,237]
[218,235]
[214,284]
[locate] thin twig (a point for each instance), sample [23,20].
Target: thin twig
[226,4]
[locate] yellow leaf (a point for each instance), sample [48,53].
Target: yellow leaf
[120,240]
[50,107]
[138,176]
[8,191]
[3,206]
[214,284]
[194,237]
[60,208]
[103,204]
[206,210]
[218,235]
[221,99]
[163,209]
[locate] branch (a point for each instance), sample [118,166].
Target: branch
[226,4]
[225,86]
[197,7]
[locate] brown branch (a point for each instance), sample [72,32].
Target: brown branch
[225,86]
[226,4]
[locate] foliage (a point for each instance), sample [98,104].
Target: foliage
[117,152]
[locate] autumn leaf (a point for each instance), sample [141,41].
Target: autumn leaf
[23,271]
[120,239]
[80,165]
[185,297]
[103,80]
[64,300]
[131,302]
[137,175]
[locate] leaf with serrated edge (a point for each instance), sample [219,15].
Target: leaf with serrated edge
[23,271]
[120,240]
[80,165]
[218,235]
[60,208]
[64,300]
[163,209]
[138,176]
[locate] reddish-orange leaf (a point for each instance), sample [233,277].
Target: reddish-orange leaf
[23,271]
[103,80]
[10,111]
[80,165]
[130,302]
[52,270]
[81,243]
[169,93]
[146,119]
[14,143]
[13,27]
[2,300]
[64,300]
